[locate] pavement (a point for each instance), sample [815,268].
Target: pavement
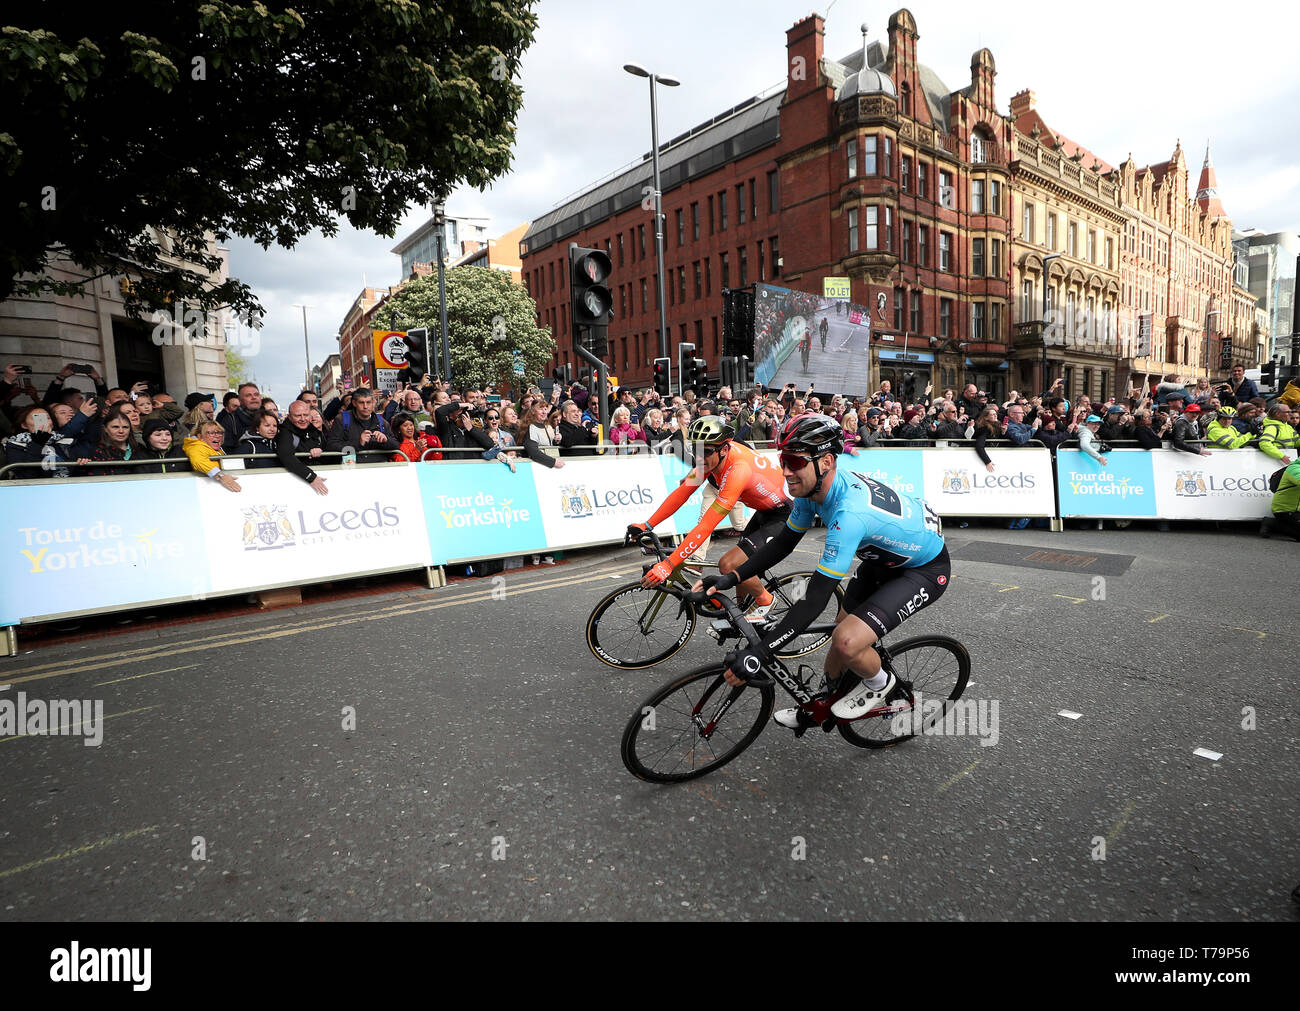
[454,754]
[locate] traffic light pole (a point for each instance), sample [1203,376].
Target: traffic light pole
[602,384]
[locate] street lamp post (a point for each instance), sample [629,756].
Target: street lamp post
[667,82]
[306,349]
[1043,328]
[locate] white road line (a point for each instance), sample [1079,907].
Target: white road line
[1069,715]
[1213,756]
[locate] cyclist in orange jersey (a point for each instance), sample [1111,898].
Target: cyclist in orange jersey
[740,475]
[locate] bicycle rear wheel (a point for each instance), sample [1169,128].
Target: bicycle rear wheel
[634,627]
[932,672]
[692,725]
[789,590]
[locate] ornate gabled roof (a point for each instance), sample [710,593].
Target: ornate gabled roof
[1207,190]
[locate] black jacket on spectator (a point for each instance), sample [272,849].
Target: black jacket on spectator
[347,429]
[291,440]
[575,440]
[1053,440]
[260,448]
[1113,433]
[172,466]
[950,430]
[236,423]
[1186,430]
[915,435]
[1146,437]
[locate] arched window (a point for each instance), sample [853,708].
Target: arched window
[979,147]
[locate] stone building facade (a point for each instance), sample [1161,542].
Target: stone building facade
[1066,237]
[180,353]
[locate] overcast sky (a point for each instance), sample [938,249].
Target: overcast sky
[1117,77]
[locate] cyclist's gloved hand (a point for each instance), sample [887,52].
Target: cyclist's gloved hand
[658,574]
[720,582]
[747,664]
[634,531]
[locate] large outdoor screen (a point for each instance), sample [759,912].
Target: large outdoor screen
[810,340]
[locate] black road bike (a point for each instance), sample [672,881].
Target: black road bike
[634,627]
[697,722]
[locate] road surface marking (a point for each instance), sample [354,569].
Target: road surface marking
[1213,756]
[225,640]
[1118,827]
[77,851]
[1255,630]
[189,666]
[1077,600]
[1161,617]
[964,772]
[1069,715]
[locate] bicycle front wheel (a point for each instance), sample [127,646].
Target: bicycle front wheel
[789,590]
[693,725]
[932,672]
[634,627]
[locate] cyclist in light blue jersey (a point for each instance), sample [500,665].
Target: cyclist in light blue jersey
[903,567]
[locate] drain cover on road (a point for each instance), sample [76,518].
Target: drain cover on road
[1029,556]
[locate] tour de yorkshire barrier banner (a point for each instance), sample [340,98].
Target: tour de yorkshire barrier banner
[99,544]
[278,530]
[1166,484]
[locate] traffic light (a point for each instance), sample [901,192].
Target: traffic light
[417,353]
[697,377]
[729,369]
[591,305]
[1268,374]
[747,376]
[1225,353]
[685,355]
[664,376]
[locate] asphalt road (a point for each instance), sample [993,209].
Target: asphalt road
[483,725]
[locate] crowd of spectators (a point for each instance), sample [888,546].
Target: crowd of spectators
[70,432]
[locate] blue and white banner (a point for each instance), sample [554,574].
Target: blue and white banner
[1166,484]
[77,546]
[475,510]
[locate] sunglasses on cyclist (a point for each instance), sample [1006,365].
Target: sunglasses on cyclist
[794,462]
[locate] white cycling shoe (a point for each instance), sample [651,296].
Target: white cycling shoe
[788,718]
[862,700]
[759,612]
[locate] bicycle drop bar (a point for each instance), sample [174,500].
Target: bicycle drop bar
[746,628]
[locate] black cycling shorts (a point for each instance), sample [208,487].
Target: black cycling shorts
[762,527]
[885,598]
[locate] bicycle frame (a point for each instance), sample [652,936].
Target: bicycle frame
[818,709]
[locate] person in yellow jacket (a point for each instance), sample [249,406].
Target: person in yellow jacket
[1279,438]
[203,448]
[1222,434]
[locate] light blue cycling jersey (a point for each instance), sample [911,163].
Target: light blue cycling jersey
[872,521]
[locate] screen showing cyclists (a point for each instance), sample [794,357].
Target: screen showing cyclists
[809,339]
[898,540]
[739,475]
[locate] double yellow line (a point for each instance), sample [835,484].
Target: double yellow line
[221,640]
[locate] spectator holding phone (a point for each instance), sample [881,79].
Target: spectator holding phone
[361,428]
[115,443]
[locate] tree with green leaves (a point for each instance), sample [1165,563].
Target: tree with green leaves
[134,135]
[491,323]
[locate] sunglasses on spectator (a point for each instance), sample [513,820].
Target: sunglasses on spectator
[493,417]
[793,462]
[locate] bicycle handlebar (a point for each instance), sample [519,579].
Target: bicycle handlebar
[738,620]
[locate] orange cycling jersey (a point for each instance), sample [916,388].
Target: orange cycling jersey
[745,477]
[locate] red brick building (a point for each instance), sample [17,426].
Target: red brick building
[866,167]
